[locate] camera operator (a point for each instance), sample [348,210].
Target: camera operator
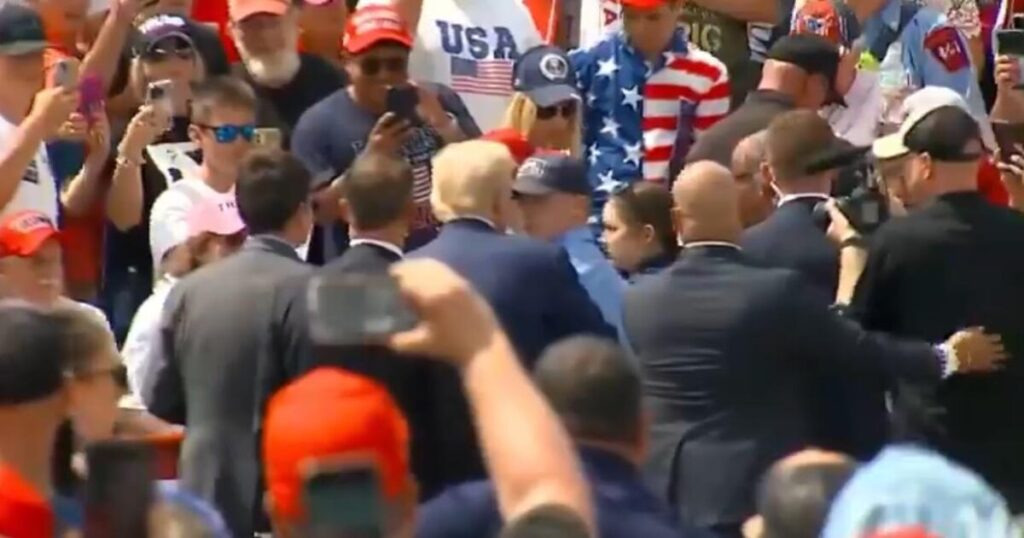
[954,261]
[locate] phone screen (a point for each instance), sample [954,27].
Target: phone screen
[352,309]
[159,94]
[1009,137]
[402,101]
[118,491]
[345,502]
[1011,43]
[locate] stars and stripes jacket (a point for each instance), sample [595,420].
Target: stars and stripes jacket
[639,118]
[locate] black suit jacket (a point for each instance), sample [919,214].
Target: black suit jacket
[213,328]
[536,296]
[723,373]
[848,410]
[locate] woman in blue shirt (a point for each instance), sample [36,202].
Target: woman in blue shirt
[638,232]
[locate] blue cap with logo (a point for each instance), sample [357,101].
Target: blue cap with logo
[551,173]
[545,75]
[21,30]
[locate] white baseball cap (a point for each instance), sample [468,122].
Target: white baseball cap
[915,107]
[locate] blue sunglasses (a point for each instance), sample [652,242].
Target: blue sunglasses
[226,134]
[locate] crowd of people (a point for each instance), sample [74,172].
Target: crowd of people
[517,268]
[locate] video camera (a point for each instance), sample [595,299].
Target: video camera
[859,195]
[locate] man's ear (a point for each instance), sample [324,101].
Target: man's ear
[677,221]
[193,133]
[344,210]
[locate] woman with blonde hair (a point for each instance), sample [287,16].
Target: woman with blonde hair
[546,108]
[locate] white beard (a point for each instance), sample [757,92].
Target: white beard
[273,70]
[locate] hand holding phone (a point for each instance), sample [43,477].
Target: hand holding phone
[65,74]
[1010,42]
[356,309]
[90,102]
[402,101]
[160,94]
[1010,138]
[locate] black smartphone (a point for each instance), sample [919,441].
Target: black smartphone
[1011,43]
[356,309]
[119,489]
[343,499]
[1009,137]
[160,95]
[402,101]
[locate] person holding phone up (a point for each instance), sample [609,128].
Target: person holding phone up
[382,110]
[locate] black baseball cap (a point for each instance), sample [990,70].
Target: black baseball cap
[551,173]
[21,30]
[155,32]
[814,54]
[545,75]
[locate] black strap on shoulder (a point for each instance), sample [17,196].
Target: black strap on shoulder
[888,36]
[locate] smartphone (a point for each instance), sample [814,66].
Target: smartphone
[119,489]
[402,101]
[1011,43]
[1009,137]
[90,102]
[159,94]
[356,308]
[65,73]
[343,499]
[268,138]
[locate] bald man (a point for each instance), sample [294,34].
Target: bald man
[723,344]
[530,283]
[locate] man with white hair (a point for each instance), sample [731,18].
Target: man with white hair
[287,82]
[530,284]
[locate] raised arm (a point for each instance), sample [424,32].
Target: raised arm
[529,456]
[105,53]
[50,110]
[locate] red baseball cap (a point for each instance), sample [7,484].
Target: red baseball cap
[243,9]
[514,141]
[643,4]
[372,24]
[24,232]
[331,412]
[24,512]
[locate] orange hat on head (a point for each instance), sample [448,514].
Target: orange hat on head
[24,232]
[331,412]
[514,141]
[243,9]
[24,512]
[643,4]
[373,24]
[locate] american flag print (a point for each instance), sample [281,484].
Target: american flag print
[482,77]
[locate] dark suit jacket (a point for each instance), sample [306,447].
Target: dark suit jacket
[848,409]
[722,375]
[292,354]
[213,329]
[538,300]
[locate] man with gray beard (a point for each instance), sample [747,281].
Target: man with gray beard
[286,81]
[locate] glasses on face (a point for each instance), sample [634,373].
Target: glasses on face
[372,66]
[567,111]
[162,55]
[228,133]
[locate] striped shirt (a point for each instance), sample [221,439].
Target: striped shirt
[640,118]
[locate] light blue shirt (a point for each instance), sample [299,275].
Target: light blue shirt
[935,53]
[598,277]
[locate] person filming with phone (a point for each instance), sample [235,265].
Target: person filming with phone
[381,110]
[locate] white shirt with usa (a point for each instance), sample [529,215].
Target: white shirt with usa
[37,189]
[471,46]
[641,118]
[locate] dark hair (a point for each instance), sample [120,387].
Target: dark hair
[649,204]
[592,386]
[218,92]
[946,134]
[378,188]
[547,521]
[272,186]
[794,499]
[33,358]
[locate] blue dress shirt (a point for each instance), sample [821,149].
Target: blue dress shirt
[598,277]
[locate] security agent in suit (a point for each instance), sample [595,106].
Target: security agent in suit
[723,375]
[377,204]
[213,330]
[803,159]
[530,284]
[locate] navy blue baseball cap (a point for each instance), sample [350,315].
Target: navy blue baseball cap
[545,75]
[551,173]
[21,30]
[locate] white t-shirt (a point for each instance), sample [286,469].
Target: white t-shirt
[857,122]
[470,46]
[142,350]
[168,221]
[38,189]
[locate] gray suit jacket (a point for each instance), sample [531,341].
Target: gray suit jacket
[213,327]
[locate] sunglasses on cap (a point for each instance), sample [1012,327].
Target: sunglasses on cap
[567,111]
[371,66]
[227,133]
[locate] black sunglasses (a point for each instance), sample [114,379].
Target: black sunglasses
[371,66]
[161,54]
[567,110]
